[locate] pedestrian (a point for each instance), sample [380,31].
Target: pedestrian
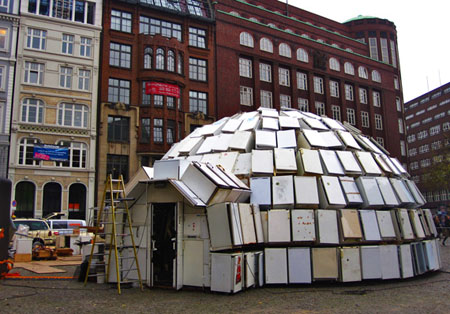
[445,225]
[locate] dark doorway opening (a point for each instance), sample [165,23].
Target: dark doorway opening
[77,201]
[24,196]
[52,198]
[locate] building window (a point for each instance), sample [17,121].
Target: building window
[32,110]
[373,48]
[198,102]
[180,63]
[34,73]
[121,21]
[446,126]
[197,37]
[160,56]
[376,76]
[159,27]
[3,37]
[348,68]
[158,100]
[26,151]
[376,99]
[117,165]
[424,149]
[84,79]
[336,112]
[422,135]
[365,119]
[171,61]
[170,131]
[245,67]
[266,45]
[378,122]
[67,44]
[284,50]
[73,115]
[77,155]
[158,130]
[119,55]
[302,55]
[118,91]
[334,89]
[118,129]
[400,126]
[318,85]
[2,79]
[412,152]
[266,99]
[197,69]
[265,72]
[302,81]
[393,54]
[245,39]
[435,130]
[284,77]
[414,165]
[145,131]
[396,83]
[36,38]
[384,50]
[398,103]
[285,101]
[351,116]
[380,141]
[363,95]
[334,64]
[85,47]
[349,92]
[436,145]
[303,104]
[320,108]
[246,96]
[4,3]
[424,162]
[148,58]
[65,77]
[362,72]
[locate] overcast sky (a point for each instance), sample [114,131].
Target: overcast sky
[423,35]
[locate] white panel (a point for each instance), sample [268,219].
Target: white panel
[192,225]
[262,162]
[285,161]
[222,142]
[349,140]
[265,225]
[270,123]
[371,262]
[276,266]
[212,159]
[382,163]
[349,162]
[386,224]
[243,165]
[420,200]
[306,193]
[391,165]
[241,141]
[387,192]
[249,124]
[223,272]
[368,163]
[370,192]
[330,193]
[332,124]
[416,224]
[370,225]
[265,139]
[299,265]
[398,165]
[303,225]
[193,263]
[250,269]
[315,123]
[402,192]
[288,122]
[231,126]
[198,183]
[228,160]
[313,139]
[283,192]
[261,191]
[430,222]
[207,145]
[213,128]
[331,162]
[286,139]
[351,191]
[190,146]
[247,224]
[268,112]
[434,247]
[258,223]
[220,231]
[389,262]
[331,140]
[405,224]
[279,228]
[325,263]
[350,264]
[308,160]
[327,225]
[406,262]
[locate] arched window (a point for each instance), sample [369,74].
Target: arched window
[253,19]
[362,72]
[234,13]
[26,153]
[148,58]
[349,49]
[302,55]
[271,25]
[77,201]
[73,115]
[245,39]
[284,50]
[160,56]
[376,76]
[25,196]
[334,64]
[266,45]
[32,110]
[52,198]
[289,30]
[180,63]
[348,68]
[77,155]
[171,61]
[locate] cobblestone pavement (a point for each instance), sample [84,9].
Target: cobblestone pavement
[428,293]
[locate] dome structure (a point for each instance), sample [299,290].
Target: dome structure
[293,197]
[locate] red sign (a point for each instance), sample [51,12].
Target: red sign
[162,89]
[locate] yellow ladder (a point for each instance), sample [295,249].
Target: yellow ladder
[112,231]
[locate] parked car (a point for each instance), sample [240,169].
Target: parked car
[39,231]
[65,226]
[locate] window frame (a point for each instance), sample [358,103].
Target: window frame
[351,116]
[265,72]
[284,76]
[302,55]
[67,44]
[245,67]
[118,129]
[125,20]
[65,77]
[378,121]
[246,39]
[284,50]
[197,37]
[198,69]
[365,120]
[334,89]
[265,44]
[318,85]
[266,99]
[85,47]
[40,38]
[120,55]
[38,110]
[246,96]
[123,92]
[198,101]
[28,71]
[71,111]
[84,81]
[302,80]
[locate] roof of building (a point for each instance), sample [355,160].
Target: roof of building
[361,17]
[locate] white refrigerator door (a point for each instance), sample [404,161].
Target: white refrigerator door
[193,263]
[389,262]
[417,224]
[306,192]
[250,269]
[276,265]
[405,224]
[368,163]
[222,278]
[406,261]
[261,191]
[279,226]
[258,223]
[370,225]
[330,193]
[265,139]
[247,224]
[283,192]
[371,262]
[387,192]
[243,165]
[370,192]
[285,161]
[262,162]
[303,225]
[236,229]
[350,264]
[220,231]
[299,265]
[287,139]
[331,162]
[351,227]
[308,160]
[386,224]
[328,228]
[349,162]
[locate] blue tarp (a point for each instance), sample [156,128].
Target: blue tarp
[51,152]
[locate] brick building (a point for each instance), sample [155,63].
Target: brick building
[273,55]
[164,45]
[428,136]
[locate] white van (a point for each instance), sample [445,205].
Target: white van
[65,226]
